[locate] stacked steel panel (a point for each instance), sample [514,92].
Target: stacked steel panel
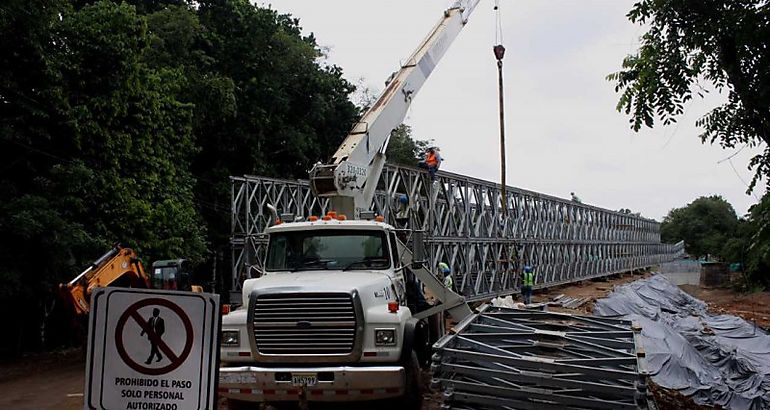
[506,358]
[465,226]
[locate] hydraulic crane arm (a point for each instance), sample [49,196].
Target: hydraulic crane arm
[350,179]
[117,264]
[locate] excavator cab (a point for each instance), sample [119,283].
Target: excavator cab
[172,274]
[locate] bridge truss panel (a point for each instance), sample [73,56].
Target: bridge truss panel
[505,358]
[464,226]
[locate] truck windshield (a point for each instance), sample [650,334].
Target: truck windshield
[327,249]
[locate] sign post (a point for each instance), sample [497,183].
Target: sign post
[152,349]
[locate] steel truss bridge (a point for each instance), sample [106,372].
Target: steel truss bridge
[464,224]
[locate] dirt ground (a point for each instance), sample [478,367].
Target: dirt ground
[55,380]
[593,289]
[49,381]
[753,307]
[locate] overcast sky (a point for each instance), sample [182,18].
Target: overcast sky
[563,133]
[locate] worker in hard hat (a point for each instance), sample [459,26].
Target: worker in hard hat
[527,282]
[432,161]
[447,272]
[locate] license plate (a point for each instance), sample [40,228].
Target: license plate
[304,379]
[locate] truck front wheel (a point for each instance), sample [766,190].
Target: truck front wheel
[413,388]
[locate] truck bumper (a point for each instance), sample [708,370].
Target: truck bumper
[342,383]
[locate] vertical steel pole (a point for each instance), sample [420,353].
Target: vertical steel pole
[499,51]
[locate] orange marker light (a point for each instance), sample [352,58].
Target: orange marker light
[312,218]
[332,214]
[379,218]
[326,218]
[341,217]
[392,307]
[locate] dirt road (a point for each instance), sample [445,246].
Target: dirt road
[59,386]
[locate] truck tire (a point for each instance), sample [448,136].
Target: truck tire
[413,389]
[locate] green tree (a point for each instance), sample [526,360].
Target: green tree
[403,149]
[96,148]
[721,42]
[264,101]
[705,225]
[758,252]
[123,121]
[751,245]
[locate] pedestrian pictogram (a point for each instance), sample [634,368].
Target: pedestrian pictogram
[152,349]
[154,328]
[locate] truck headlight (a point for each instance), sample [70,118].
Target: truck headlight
[385,337]
[231,338]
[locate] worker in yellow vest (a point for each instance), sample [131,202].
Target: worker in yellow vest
[527,282]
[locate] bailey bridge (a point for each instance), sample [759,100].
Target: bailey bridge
[463,224]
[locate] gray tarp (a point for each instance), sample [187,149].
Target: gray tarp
[716,359]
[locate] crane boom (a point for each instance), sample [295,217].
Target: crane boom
[350,179]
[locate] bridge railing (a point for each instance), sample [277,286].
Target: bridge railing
[464,225]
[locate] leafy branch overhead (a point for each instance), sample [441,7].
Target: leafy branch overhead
[689,45]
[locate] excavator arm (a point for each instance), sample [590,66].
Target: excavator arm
[119,265]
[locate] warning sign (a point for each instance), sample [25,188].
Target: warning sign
[152,349]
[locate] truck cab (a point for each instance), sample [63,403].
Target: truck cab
[328,316]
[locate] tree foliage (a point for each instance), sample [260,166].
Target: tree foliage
[122,122]
[689,43]
[705,225]
[757,231]
[403,149]
[709,226]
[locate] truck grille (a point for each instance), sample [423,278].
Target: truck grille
[304,324]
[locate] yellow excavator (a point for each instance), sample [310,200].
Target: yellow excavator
[121,267]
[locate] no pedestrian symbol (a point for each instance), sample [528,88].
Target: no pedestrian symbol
[152,349]
[150,328]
